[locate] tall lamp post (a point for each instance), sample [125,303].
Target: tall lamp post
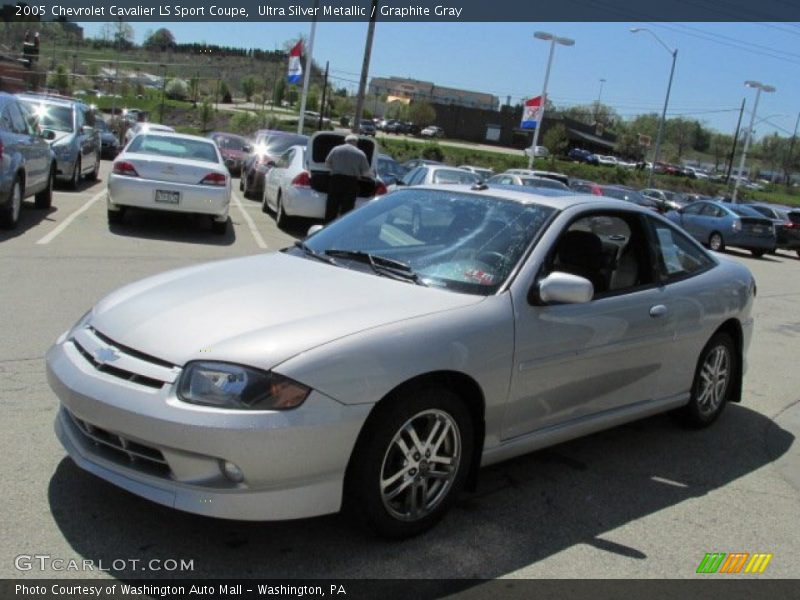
[760,87]
[660,135]
[547,37]
[597,104]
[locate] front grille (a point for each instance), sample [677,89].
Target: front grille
[123,451]
[116,372]
[107,356]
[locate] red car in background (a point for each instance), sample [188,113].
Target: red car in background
[234,150]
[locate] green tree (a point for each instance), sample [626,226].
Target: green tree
[248,87]
[162,39]
[397,110]
[719,147]
[225,93]
[421,114]
[206,113]
[681,133]
[279,92]
[292,95]
[59,79]
[555,140]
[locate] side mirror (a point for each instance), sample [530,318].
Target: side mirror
[48,134]
[564,288]
[314,229]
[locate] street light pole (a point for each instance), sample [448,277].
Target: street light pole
[548,37]
[759,88]
[597,105]
[659,137]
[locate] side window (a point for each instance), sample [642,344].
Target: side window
[18,124]
[610,250]
[79,118]
[709,210]
[30,120]
[90,118]
[285,159]
[676,254]
[694,209]
[5,120]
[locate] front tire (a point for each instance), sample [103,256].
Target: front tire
[75,182]
[95,174]
[714,378]
[410,462]
[44,199]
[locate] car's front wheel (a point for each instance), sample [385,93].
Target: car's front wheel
[9,215]
[713,383]
[410,463]
[44,199]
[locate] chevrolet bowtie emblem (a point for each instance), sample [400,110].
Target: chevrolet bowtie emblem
[106,355]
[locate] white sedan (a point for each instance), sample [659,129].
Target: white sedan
[170,172]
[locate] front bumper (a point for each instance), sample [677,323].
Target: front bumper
[147,441]
[65,167]
[194,198]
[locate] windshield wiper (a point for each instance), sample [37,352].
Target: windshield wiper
[380,264]
[308,251]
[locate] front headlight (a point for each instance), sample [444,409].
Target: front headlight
[226,385]
[62,151]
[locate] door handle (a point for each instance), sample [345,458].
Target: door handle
[659,310]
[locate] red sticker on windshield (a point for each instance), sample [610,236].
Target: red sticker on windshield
[481,277]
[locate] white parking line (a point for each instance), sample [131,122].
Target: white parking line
[68,221]
[250,223]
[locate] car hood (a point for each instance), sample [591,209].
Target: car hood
[258,310]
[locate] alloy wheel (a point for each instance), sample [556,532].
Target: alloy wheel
[714,378]
[420,465]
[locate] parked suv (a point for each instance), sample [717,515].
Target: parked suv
[70,125]
[26,168]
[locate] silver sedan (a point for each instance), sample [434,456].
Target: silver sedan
[170,172]
[378,365]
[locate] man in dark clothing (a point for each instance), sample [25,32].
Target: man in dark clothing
[347,163]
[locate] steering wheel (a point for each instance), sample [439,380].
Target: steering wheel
[491,257]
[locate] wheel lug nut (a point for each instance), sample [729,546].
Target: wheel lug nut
[416,457]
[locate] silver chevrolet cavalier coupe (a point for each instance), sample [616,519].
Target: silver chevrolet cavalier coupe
[378,364]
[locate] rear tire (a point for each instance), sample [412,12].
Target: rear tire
[282,220]
[219,227]
[410,462]
[95,174]
[44,199]
[9,214]
[115,217]
[245,187]
[714,380]
[758,253]
[715,242]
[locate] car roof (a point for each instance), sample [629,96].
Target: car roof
[560,200]
[47,99]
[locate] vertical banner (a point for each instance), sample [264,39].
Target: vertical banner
[531,112]
[295,71]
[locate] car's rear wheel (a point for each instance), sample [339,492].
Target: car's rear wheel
[9,215]
[282,220]
[219,227]
[715,242]
[757,253]
[95,174]
[246,187]
[115,217]
[44,199]
[713,383]
[410,462]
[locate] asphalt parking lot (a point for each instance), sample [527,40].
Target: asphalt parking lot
[644,500]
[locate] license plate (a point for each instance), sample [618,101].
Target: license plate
[167,197]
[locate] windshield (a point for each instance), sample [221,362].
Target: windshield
[51,116]
[745,211]
[461,242]
[173,147]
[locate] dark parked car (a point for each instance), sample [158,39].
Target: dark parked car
[583,156]
[667,200]
[786,222]
[622,193]
[27,167]
[234,150]
[719,225]
[367,127]
[109,142]
[269,145]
